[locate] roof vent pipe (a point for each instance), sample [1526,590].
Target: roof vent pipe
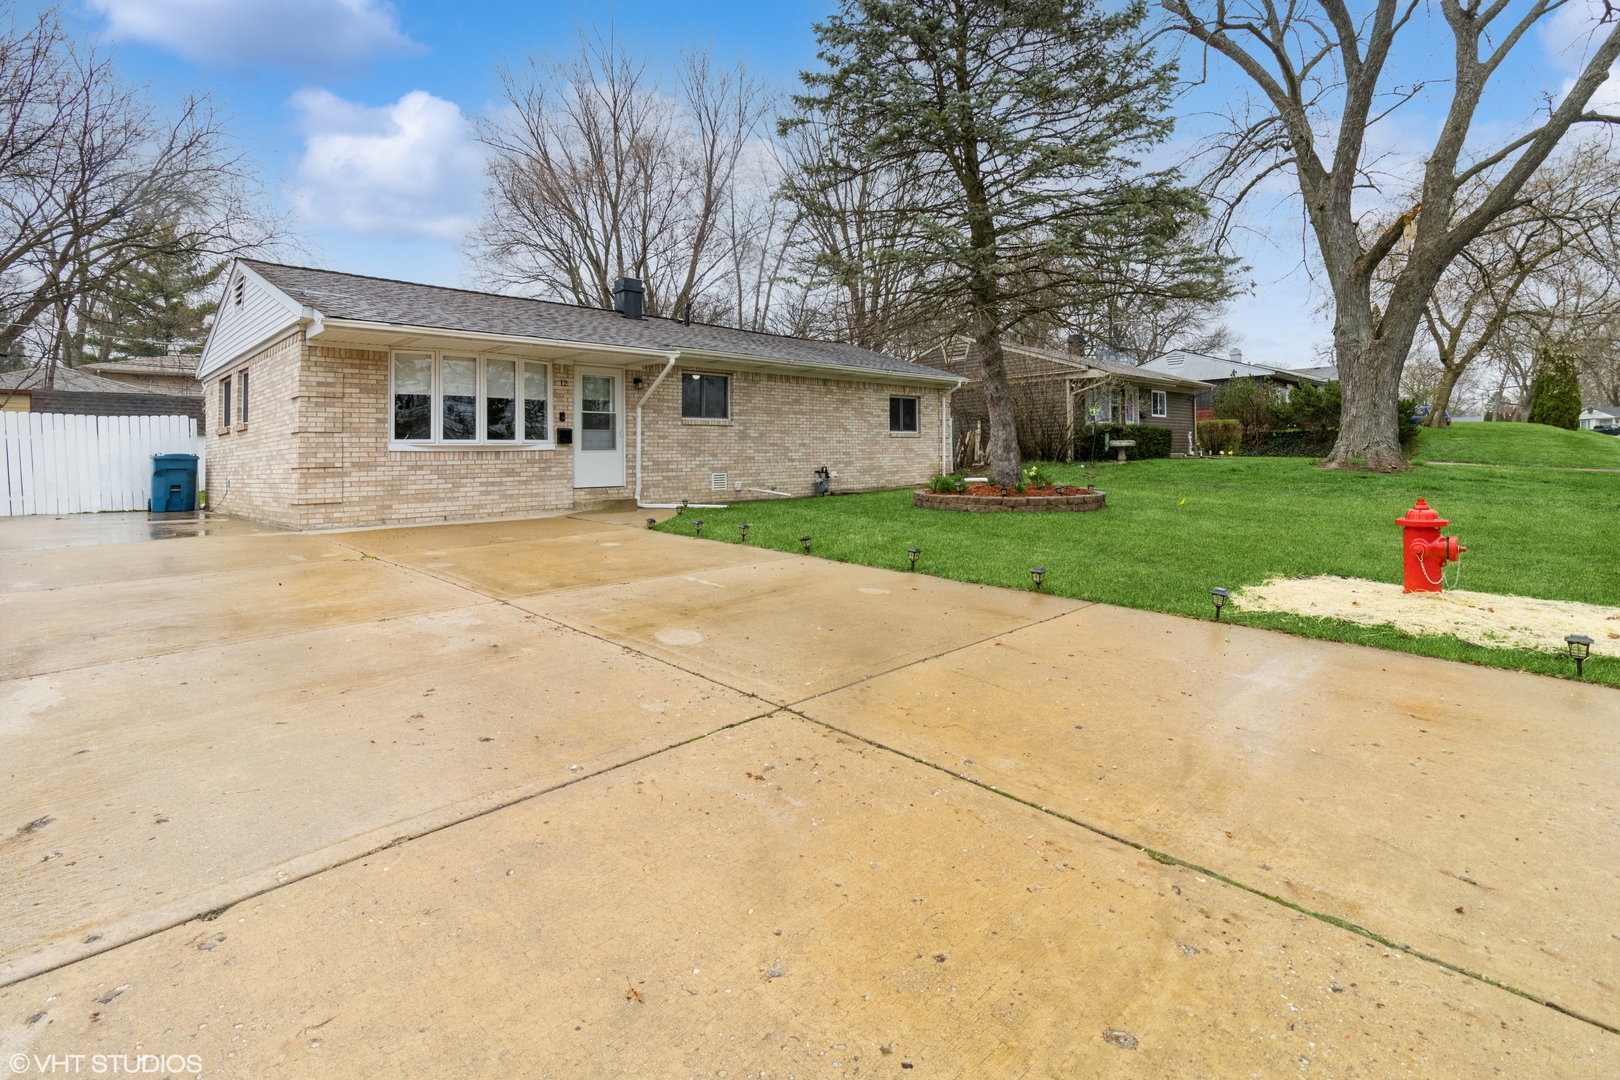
[627,297]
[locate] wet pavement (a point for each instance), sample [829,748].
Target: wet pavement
[561,797]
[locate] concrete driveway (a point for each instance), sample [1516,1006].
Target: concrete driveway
[564,796]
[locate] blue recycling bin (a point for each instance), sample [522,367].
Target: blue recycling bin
[174,483]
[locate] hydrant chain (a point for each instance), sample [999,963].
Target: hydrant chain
[1421,538]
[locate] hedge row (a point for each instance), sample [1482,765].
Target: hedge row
[1151,442]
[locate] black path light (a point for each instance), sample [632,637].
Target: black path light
[913,553]
[805,540]
[697,527]
[681,509]
[1580,647]
[744,530]
[1037,574]
[651,522]
[1219,597]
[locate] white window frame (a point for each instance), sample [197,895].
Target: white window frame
[1159,403]
[1132,400]
[481,410]
[916,412]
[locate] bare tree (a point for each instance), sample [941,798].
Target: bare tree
[95,177]
[851,238]
[1555,245]
[1323,72]
[595,172]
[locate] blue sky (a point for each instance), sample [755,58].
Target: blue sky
[357,111]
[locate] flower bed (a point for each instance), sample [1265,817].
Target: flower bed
[989,499]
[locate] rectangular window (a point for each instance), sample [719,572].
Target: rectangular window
[1133,405]
[458,379]
[596,413]
[534,402]
[500,400]
[1160,403]
[446,398]
[1100,406]
[903,414]
[705,397]
[225,402]
[242,392]
[413,396]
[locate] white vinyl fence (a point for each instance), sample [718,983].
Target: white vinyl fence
[54,463]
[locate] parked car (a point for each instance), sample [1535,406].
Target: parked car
[1607,429]
[1422,411]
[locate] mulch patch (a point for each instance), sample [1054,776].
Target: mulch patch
[985,491]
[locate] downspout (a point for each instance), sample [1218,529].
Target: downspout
[947,454]
[669,366]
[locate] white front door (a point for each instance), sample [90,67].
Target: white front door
[599,433]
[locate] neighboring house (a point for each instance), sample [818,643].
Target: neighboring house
[1601,416]
[344,400]
[153,374]
[1217,372]
[77,391]
[1056,394]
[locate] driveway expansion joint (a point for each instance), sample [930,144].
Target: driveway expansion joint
[1167,859]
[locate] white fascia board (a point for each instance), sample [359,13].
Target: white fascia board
[298,316]
[335,327]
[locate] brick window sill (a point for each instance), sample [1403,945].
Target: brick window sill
[905,434]
[240,427]
[703,421]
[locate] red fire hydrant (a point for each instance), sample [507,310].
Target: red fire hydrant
[1426,551]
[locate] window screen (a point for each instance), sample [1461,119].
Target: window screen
[902,414]
[413,396]
[242,392]
[1161,403]
[459,421]
[534,401]
[705,397]
[225,401]
[500,400]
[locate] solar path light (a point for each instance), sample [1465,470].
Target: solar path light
[1219,597]
[1580,647]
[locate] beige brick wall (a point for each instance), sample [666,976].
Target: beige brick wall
[782,428]
[315,454]
[250,468]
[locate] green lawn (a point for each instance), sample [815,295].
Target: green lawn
[1519,444]
[1175,528]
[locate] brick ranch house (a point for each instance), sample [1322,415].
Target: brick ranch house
[1057,394]
[337,400]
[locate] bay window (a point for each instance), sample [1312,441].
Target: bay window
[456,399]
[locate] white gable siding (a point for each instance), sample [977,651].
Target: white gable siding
[264,314]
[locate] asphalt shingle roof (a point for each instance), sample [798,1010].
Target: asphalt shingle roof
[402,303]
[33,378]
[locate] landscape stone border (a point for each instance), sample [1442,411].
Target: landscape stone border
[1017,504]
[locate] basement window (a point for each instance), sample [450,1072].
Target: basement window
[705,397]
[903,415]
[439,399]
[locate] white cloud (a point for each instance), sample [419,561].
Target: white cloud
[308,35]
[402,170]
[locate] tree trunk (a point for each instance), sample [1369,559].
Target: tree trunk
[1442,397]
[1006,465]
[1370,362]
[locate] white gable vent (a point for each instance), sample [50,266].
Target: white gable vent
[717,481]
[1175,359]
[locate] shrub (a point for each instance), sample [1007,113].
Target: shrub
[1407,433]
[1220,436]
[1295,442]
[1308,408]
[1555,395]
[943,485]
[1248,401]
[1151,442]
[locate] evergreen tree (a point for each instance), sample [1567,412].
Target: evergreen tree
[1555,395]
[157,306]
[1018,119]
